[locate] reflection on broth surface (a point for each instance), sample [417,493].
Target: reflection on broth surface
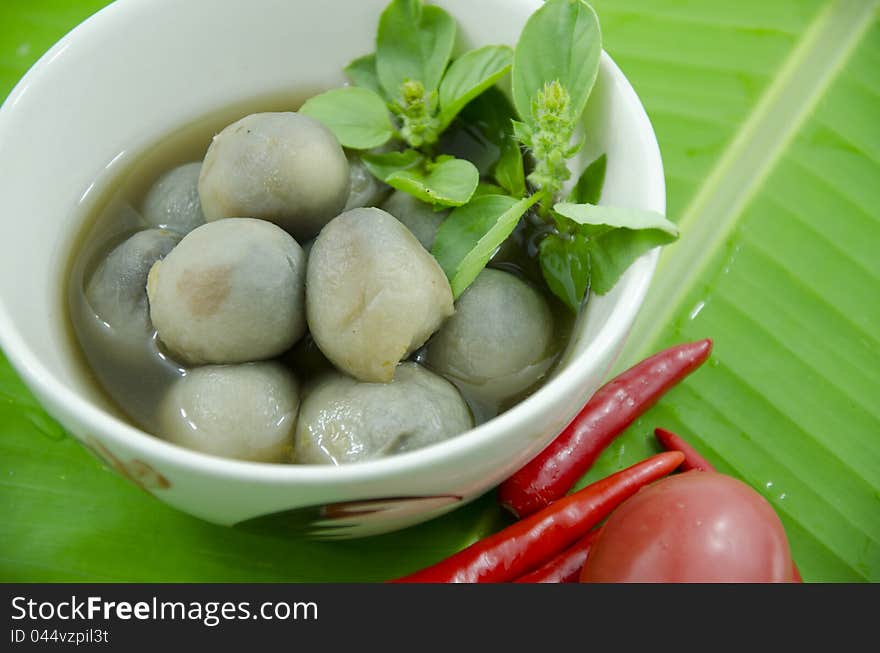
[145,210]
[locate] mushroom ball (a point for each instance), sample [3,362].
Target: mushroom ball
[245,411]
[374,294]
[173,201]
[117,290]
[419,217]
[500,338]
[230,292]
[283,167]
[364,188]
[343,420]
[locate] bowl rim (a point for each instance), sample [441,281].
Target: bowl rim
[40,379]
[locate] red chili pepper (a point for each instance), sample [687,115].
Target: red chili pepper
[692,458]
[528,543]
[565,567]
[613,408]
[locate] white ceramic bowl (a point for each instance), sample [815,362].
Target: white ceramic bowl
[141,68]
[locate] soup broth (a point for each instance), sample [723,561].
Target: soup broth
[136,371]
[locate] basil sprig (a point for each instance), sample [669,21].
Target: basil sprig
[406,95]
[410,91]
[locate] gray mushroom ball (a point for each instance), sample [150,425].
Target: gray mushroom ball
[364,188]
[173,201]
[343,420]
[419,217]
[232,291]
[501,336]
[246,412]
[117,289]
[283,167]
[374,294]
[253,291]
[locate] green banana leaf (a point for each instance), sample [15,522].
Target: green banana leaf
[767,117]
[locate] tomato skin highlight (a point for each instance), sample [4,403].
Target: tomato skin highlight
[695,527]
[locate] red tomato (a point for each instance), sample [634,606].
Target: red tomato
[692,527]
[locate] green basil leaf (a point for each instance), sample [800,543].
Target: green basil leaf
[414,42]
[383,165]
[491,113]
[470,235]
[522,132]
[509,171]
[589,185]
[614,251]
[362,71]
[616,216]
[448,183]
[480,130]
[470,75]
[357,116]
[560,41]
[565,265]
[487,189]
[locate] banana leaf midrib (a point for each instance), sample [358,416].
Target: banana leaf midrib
[744,166]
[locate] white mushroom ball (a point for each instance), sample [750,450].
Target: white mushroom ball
[173,201]
[419,217]
[501,335]
[117,289]
[364,188]
[247,412]
[232,291]
[343,420]
[374,294]
[283,167]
